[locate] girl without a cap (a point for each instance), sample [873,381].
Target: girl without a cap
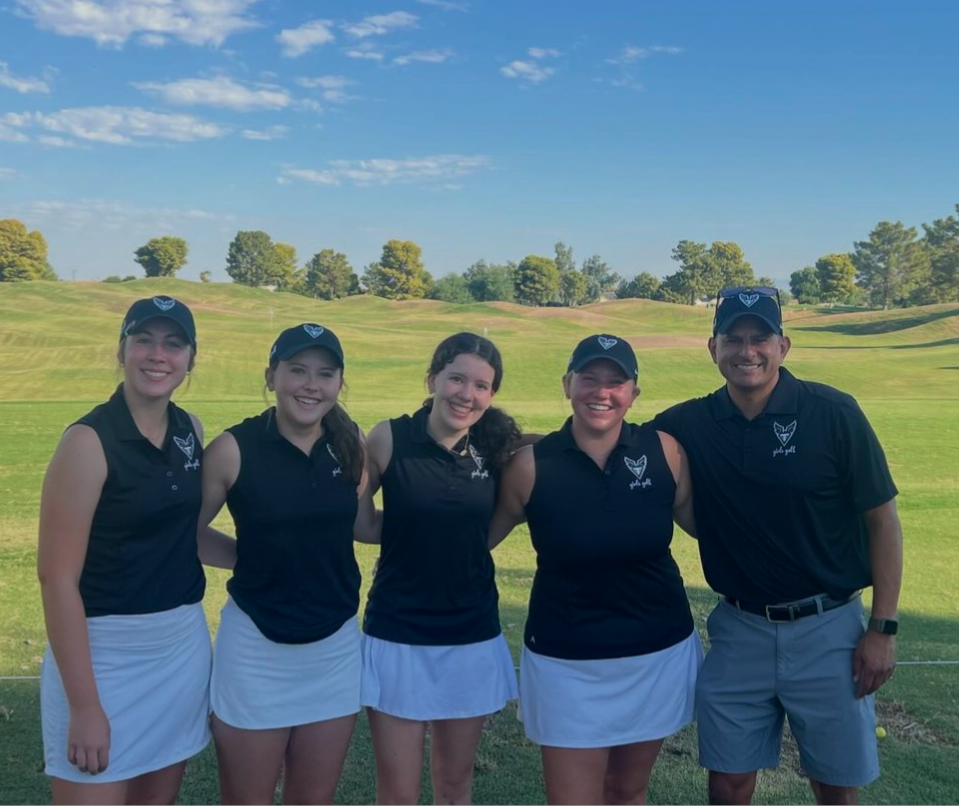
[610,660]
[433,650]
[286,670]
[124,687]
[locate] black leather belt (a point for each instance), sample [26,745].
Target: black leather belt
[791,611]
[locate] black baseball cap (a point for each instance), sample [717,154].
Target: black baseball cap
[603,345]
[759,301]
[143,310]
[309,334]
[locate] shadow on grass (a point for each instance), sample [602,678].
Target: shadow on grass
[884,325]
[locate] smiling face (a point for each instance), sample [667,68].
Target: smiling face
[749,356]
[307,386]
[462,392]
[600,393]
[155,359]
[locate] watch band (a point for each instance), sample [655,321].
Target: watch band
[886,626]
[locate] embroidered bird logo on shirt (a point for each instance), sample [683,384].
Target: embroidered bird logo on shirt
[479,473]
[638,468]
[784,433]
[336,470]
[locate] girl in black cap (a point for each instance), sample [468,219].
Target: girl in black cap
[286,672]
[611,656]
[433,650]
[124,686]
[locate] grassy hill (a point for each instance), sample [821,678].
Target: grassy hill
[58,358]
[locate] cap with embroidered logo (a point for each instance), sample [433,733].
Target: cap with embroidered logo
[603,345]
[143,310]
[309,334]
[760,301]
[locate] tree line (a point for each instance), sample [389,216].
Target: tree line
[894,266]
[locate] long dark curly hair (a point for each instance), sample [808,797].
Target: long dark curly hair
[496,434]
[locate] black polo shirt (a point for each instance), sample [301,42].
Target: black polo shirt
[142,554]
[296,575]
[779,499]
[606,584]
[435,582]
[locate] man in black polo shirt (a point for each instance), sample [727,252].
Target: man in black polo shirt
[795,513]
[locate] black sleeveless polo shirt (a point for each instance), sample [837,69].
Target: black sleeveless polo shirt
[435,582]
[606,584]
[142,554]
[296,575]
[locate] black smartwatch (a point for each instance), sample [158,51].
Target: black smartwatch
[885,626]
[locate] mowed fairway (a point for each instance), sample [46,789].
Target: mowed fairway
[57,360]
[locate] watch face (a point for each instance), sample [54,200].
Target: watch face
[885,626]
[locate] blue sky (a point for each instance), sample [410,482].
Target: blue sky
[477,128]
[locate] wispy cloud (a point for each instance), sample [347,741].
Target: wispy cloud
[220,92]
[380,24]
[417,170]
[117,125]
[111,23]
[54,141]
[627,59]
[429,56]
[23,84]
[333,87]
[109,215]
[530,72]
[297,41]
[272,133]
[446,5]
[370,54]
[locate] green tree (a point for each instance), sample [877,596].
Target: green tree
[205,277]
[23,254]
[329,275]
[692,280]
[804,284]
[564,257]
[536,281]
[600,278]
[287,277]
[452,288]
[891,265]
[400,273]
[837,277]
[573,288]
[942,245]
[162,257]
[252,259]
[491,282]
[643,286]
[728,267]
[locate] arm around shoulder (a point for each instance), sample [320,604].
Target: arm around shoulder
[515,488]
[369,520]
[221,468]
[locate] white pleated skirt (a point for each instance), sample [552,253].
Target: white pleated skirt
[258,683]
[153,677]
[606,703]
[437,682]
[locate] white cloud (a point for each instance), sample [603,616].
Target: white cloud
[220,92]
[429,56]
[272,133]
[152,40]
[631,54]
[527,71]
[380,24]
[111,22]
[542,53]
[419,170]
[110,215]
[56,142]
[372,55]
[24,85]
[118,125]
[309,105]
[446,5]
[333,87]
[297,41]
[6,173]
[9,133]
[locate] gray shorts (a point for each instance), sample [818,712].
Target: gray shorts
[756,672]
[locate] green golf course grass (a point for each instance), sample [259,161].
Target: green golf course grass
[58,360]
